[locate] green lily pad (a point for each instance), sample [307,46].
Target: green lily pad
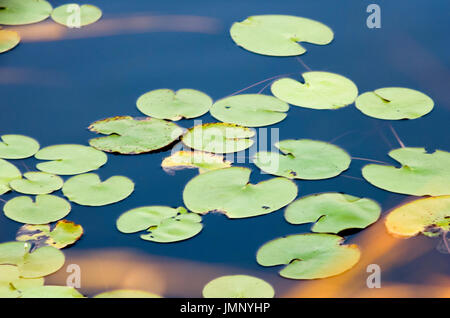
[238,286]
[304,159]
[50,291]
[321,90]
[8,40]
[8,173]
[88,14]
[219,138]
[37,183]
[45,209]
[164,224]
[167,104]
[88,189]
[421,173]
[16,12]
[17,147]
[251,110]
[333,212]
[204,161]
[70,159]
[394,103]
[129,136]
[278,35]
[309,256]
[11,284]
[127,293]
[229,191]
[64,233]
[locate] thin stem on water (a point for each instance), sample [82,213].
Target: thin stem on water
[303,63]
[352,177]
[396,136]
[260,82]
[371,160]
[444,237]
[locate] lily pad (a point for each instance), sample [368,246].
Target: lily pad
[304,159]
[129,136]
[321,90]
[45,209]
[8,40]
[238,286]
[167,104]
[16,12]
[427,216]
[251,110]
[229,191]
[394,103]
[88,189]
[37,183]
[8,173]
[70,159]
[127,293]
[11,284]
[17,147]
[64,233]
[309,256]
[219,138]
[88,14]
[50,291]
[421,173]
[204,161]
[278,35]
[333,212]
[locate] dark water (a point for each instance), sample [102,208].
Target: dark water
[52,90]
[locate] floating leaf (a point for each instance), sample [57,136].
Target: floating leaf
[167,104]
[238,286]
[164,224]
[133,136]
[88,14]
[11,283]
[45,209]
[50,291]
[333,212]
[17,147]
[394,103]
[70,159]
[16,12]
[421,173]
[304,159]
[127,293]
[37,183]
[309,256]
[277,35]
[251,110]
[8,40]
[219,138]
[229,191]
[321,90]
[204,161]
[8,173]
[64,233]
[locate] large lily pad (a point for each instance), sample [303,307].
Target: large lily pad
[278,35]
[394,103]
[126,293]
[8,173]
[167,104]
[50,291]
[333,212]
[229,191]
[238,286]
[309,256]
[88,189]
[8,40]
[127,135]
[219,138]
[421,173]
[204,161]
[251,110]
[16,12]
[88,14]
[45,209]
[321,90]
[17,147]
[37,183]
[304,159]
[70,159]
[11,284]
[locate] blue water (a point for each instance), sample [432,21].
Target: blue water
[70,83]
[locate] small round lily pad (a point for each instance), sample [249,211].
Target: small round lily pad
[67,15]
[16,12]
[49,291]
[37,183]
[126,293]
[238,286]
[204,161]
[17,147]
[8,40]
[8,173]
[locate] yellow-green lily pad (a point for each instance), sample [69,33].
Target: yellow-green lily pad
[88,14]
[126,293]
[49,291]
[8,173]
[16,12]
[17,147]
[37,183]
[238,286]
[8,40]
[204,161]
[11,284]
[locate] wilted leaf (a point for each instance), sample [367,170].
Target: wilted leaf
[204,161]
[8,40]
[15,12]
[17,146]
[238,286]
[65,14]
[37,183]
[8,173]
[127,293]
[50,291]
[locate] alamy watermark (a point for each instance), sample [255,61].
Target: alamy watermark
[374,19]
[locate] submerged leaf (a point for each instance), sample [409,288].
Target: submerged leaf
[50,291]
[309,256]
[421,173]
[304,159]
[167,104]
[16,12]
[238,286]
[17,147]
[127,135]
[37,183]
[229,191]
[127,293]
[88,14]
[8,40]
[278,35]
[204,161]
[321,90]
[8,173]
